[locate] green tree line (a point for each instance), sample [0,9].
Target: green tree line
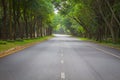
[94,19]
[22,19]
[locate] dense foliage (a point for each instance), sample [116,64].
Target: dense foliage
[97,19]
[21,19]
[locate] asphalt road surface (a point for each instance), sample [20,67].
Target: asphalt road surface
[62,58]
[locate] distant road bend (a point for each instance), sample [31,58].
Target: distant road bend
[62,58]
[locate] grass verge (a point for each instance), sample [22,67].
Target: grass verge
[104,43]
[9,47]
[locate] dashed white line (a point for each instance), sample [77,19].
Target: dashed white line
[62,61]
[62,55]
[62,75]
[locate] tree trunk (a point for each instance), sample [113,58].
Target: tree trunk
[15,21]
[4,26]
[10,20]
[107,22]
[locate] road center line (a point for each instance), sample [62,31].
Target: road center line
[62,55]
[62,61]
[62,75]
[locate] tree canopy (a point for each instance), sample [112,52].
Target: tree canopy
[21,19]
[95,19]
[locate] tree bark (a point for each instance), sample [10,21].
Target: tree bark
[4,27]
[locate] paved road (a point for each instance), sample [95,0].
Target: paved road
[62,58]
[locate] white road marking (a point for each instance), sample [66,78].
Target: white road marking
[62,61]
[62,75]
[62,55]
[107,52]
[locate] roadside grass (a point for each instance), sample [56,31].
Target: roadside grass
[5,45]
[104,43]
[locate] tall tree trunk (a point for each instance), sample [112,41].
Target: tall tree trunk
[106,22]
[26,23]
[20,35]
[113,14]
[14,18]
[4,26]
[10,19]
[41,32]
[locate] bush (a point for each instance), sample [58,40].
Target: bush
[3,42]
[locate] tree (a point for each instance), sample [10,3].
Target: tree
[99,18]
[22,19]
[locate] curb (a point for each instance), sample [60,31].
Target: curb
[18,48]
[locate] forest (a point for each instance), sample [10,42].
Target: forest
[93,19]
[25,19]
